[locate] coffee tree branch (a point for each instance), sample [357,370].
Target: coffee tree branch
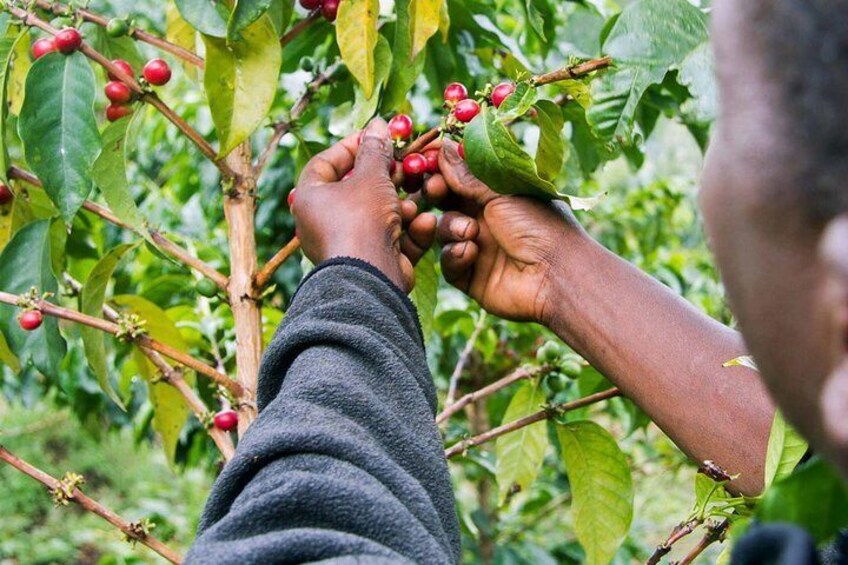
[132,531]
[135,33]
[544,414]
[165,245]
[142,340]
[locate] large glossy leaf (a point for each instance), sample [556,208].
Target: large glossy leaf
[424,18]
[615,97]
[518,103]
[91,303]
[26,263]
[209,17]
[110,175]
[170,411]
[425,292]
[601,487]
[245,13]
[59,130]
[356,33]
[786,448]
[498,160]
[241,81]
[8,46]
[814,497]
[519,455]
[404,73]
[698,75]
[551,152]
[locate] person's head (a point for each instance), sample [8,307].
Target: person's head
[775,201]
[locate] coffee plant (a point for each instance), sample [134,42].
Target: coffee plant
[148,157]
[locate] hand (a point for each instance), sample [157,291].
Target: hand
[501,250]
[360,215]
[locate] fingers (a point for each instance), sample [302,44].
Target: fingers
[408,210]
[331,164]
[455,227]
[419,237]
[376,151]
[435,189]
[458,263]
[459,178]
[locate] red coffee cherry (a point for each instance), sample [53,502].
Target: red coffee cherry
[226,420]
[400,127]
[461,150]
[454,92]
[68,40]
[432,156]
[43,46]
[330,10]
[124,66]
[118,92]
[501,93]
[157,72]
[466,110]
[290,198]
[30,320]
[311,4]
[414,165]
[6,195]
[115,112]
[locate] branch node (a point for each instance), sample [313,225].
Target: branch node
[63,492]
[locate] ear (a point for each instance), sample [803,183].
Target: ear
[833,253]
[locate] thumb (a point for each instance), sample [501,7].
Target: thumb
[376,150]
[459,177]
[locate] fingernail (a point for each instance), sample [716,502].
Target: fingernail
[459,250]
[377,128]
[464,227]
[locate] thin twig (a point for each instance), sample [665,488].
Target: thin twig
[420,142]
[165,245]
[150,97]
[264,275]
[174,377]
[91,505]
[463,359]
[544,414]
[491,389]
[282,128]
[715,532]
[142,340]
[135,33]
[679,532]
[299,27]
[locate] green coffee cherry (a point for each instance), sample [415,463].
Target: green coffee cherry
[571,367]
[549,352]
[307,64]
[207,288]
[117,27]
[557,382]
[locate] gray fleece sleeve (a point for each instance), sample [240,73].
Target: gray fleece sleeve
[344,462]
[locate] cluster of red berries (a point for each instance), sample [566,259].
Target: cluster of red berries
[30,320]
[155,72]
[66,41]
[329,8]
[6,195]
[226,420]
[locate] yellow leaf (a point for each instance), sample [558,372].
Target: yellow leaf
[356,34]
[425,19]
[17,76]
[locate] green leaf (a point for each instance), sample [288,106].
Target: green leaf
[110,175]
[91,303]
[697,74]
[601,486]
[495,158]
[177,30]
[113,47]
[59,130]
[170,410]
[786,448]
[209,17]
[425,292]
[404,73]
[519,455]
[615,97]
[241,81]
[17,76]
[26,264]
[518,103]
[245,13]
[424,20]
[8,48]
[551,152]
[813,497]
[356,34]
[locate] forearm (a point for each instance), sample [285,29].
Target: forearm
[666,356]
[345,459]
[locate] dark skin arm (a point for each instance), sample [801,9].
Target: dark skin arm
[527,260]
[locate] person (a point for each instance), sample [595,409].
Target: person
[345,462]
